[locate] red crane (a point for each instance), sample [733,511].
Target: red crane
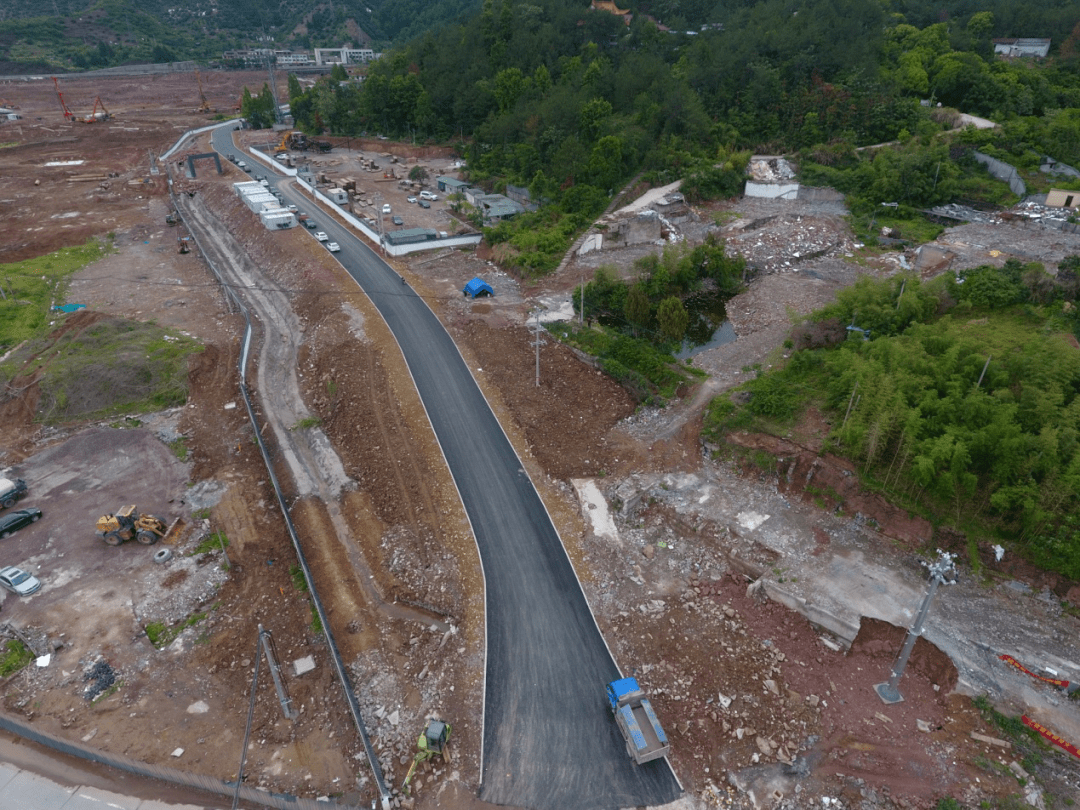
[68,114]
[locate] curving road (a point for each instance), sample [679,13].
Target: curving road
[549,740]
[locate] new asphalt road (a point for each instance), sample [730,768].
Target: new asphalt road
[549,740]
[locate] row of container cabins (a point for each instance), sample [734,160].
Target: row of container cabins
[273,215]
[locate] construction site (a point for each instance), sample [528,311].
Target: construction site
[758,620]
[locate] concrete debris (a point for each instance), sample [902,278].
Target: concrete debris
[1018,770]
[1033,796]
[198,707]
[304,665]
[962,213]
[990,740]
[178,752]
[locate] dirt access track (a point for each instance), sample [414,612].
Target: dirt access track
[760,708]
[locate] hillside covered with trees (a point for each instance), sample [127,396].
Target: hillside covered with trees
[572,102]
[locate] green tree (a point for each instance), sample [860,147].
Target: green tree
[296,92]
[418,174]
[338,73]
[673,318]
[510,85]
[638,308]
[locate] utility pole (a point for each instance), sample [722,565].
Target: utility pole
[581,309]
[942,570]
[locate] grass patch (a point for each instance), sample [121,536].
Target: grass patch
[200,514]
[161,635]
[307,422]
[214,542]
[126,424]
[722,218]
[316,622]
[179,448]
[296,574]
[108,367]
[35,285]
[16,655]
[912,228]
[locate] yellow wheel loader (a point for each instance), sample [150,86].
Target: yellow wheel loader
[128,524]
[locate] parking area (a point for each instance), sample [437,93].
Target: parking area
[379,186]
[96,598]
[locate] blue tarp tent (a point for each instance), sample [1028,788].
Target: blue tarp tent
[70,307]
[477,287]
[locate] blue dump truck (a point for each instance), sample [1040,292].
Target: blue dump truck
[645,739]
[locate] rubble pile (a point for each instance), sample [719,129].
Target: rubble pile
[788,241]
[770,170]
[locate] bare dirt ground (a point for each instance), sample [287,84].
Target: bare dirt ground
[388,544]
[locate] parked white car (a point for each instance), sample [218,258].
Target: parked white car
[333,247]
[411,199]
[427,195]
[321,236]
[18,581]
[386,208]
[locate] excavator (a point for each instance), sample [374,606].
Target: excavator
[432,743]
[291,139]
[128,524]
[96,116]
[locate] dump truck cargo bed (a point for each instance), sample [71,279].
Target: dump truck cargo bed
[634,715]
[645,739]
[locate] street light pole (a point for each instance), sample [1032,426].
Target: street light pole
[942,570]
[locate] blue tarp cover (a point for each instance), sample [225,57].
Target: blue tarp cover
[70,307]
[477,287]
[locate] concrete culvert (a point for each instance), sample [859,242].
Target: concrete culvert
[162,555]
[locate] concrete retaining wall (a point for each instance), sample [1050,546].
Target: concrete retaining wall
[773,191]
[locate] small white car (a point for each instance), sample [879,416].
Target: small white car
[386,208]
[18,581]
[321,236]
[411,199]
[333,247]
[427,195]
[293,208]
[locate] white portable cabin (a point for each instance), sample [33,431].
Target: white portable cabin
[278,220]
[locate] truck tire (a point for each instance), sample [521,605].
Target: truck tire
[112,539]
[147,538]
[163,555]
